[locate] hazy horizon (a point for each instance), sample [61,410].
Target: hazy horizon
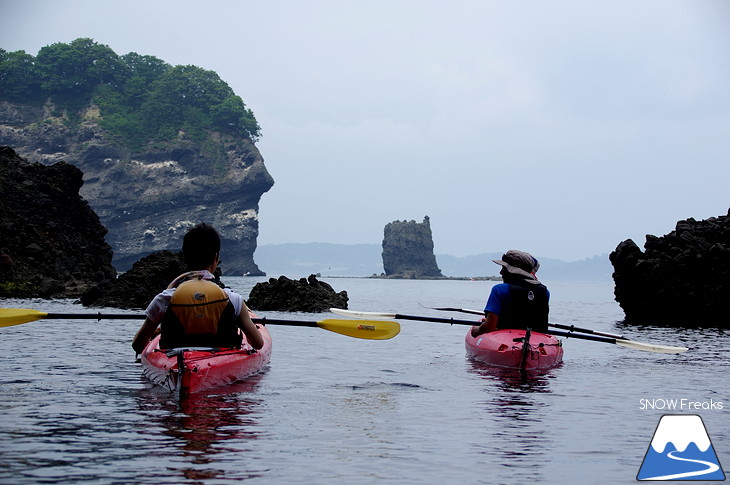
[560,128]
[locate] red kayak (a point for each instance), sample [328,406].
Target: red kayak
[515,349]
[193,369]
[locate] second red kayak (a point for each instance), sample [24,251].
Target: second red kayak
[508,349]
[194,369]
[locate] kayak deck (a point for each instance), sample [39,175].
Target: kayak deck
[193,369]
[505,348]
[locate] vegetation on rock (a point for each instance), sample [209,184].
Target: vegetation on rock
[141,98]
[160,147]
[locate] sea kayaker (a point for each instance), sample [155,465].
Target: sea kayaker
[521,301]
[194,311]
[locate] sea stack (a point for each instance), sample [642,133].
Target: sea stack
[408,250]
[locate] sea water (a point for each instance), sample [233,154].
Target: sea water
[330,409]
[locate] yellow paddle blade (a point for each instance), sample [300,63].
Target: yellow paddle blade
[366,329]
[16,316]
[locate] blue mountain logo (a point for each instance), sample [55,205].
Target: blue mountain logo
[681,450]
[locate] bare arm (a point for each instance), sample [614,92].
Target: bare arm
[489,324]
[144,335]
[249,328]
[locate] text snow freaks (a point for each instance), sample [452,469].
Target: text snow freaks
[680,405]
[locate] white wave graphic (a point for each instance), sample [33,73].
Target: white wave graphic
[681,430]
[711,467]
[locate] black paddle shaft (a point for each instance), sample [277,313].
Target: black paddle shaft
[96,316]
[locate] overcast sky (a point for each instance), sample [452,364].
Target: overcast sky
[556,127]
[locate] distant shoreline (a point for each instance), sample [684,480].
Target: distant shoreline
[394,277]
[365,261]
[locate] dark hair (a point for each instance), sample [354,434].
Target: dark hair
[508,277]
[200,245]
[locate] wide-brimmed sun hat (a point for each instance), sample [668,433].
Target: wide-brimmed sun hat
[519,263]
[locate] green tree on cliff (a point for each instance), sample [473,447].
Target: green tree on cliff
[72,71]
[141,98]
[191,98]
[18,77]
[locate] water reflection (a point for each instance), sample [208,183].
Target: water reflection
[517,434]
[513,379]
[704,344]
[205,427]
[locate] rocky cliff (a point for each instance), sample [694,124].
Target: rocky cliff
[51,242]
[408,250]
[681,278]
[147,199]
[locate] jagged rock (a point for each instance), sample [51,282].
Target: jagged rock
[408,250]
[138,286]
[304,295]
[682,278]
[51,242]
[149,198]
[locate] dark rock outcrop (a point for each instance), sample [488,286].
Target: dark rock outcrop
[138,286]
[148,198]
[408,250]
[305,295]
[51,242]
[681,278]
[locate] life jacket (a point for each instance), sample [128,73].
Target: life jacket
[527,308]
[200,314]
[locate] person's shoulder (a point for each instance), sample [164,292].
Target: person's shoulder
[232,294]
[499,292]
[165,294]
[501,288]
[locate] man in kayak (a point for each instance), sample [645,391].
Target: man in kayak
[521,301]
[193,310]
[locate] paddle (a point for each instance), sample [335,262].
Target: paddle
[631,344]
[571,328]
[364,329]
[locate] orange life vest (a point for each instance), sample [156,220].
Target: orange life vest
[200,314]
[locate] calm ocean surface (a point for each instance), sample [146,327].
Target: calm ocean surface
[336,410]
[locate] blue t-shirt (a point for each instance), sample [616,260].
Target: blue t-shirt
[499,297]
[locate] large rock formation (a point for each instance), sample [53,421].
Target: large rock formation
[682,278]
[408,250]
[303,295]
[137,287]
[51,241]
[148,199]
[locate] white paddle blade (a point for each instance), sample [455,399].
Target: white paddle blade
[663,349]
[370,315]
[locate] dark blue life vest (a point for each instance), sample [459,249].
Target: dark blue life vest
[527,308]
